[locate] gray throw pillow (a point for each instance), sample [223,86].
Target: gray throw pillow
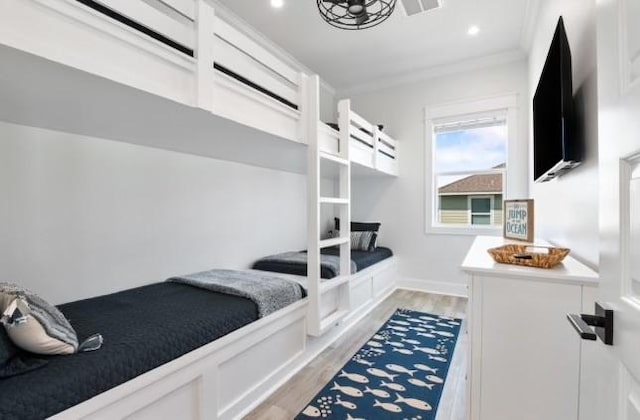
[33,324]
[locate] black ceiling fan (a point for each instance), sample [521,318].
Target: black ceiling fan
[355,14]
[356,8]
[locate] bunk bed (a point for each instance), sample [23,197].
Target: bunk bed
[190,60]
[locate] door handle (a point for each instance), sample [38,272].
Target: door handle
[602,321]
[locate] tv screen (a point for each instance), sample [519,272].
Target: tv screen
[554,147]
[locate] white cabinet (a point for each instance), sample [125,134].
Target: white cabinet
[525,358]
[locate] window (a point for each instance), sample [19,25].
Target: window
[467,161]
[481,210]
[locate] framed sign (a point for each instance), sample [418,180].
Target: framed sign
[518,220]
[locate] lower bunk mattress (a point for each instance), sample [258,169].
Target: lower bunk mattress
[296,262]
[143,328]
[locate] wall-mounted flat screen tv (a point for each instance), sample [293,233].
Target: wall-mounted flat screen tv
[556,149]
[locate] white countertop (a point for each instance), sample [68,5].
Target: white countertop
[478,261]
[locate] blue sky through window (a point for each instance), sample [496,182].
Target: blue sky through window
[469,149]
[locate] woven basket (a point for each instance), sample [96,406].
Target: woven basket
[523,255]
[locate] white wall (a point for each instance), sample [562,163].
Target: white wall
[566,209]
[399,203]
[84,216]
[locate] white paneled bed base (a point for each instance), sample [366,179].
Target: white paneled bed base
[370,285]
[367,288]
[216,381]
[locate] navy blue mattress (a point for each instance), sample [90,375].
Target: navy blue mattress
[143,328]
[362,259]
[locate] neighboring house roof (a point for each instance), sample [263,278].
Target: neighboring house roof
[475,184]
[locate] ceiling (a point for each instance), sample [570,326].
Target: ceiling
[400,46]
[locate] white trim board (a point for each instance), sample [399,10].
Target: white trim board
[432,286]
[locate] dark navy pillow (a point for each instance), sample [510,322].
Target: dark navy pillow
[14,361]
[359,226]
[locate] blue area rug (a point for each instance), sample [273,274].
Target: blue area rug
[398,374]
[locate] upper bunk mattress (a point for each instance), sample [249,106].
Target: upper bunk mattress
[143,328]
[283,263]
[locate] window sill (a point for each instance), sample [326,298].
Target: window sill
[464,231]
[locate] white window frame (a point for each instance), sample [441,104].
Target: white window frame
[502,103]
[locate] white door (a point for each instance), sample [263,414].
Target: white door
[619,166]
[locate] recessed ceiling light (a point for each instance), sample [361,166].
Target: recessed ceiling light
[473,30]
[277,3]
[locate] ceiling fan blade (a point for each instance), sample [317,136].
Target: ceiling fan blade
[363,18]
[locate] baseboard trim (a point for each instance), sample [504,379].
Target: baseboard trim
[435,287]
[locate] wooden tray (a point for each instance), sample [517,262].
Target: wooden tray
[527,255]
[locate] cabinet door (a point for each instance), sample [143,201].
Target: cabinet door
[529,356]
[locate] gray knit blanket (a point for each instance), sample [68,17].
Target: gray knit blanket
[269,292]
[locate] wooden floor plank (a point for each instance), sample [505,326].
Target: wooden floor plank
[293,396]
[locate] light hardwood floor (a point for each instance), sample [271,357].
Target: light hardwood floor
[293,396]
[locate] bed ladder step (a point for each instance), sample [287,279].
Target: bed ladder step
[334,200]
[334,158]
[331,296]
[329,284]
[328,243]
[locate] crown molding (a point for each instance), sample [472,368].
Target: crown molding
[435,71]
[529,24]
[246,28]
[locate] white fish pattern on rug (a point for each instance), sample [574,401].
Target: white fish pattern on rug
[399,373]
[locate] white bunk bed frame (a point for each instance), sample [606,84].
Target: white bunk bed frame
[193,71]
[71,33]
[200,67]
[370,148]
